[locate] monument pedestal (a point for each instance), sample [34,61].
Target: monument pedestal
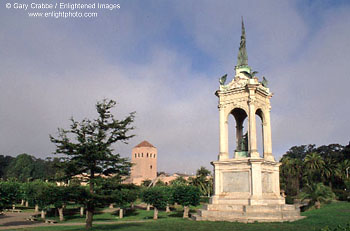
[247,190]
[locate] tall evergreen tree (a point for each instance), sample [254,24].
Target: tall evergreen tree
[87,147]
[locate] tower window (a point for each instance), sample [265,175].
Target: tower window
[142,154]
[150,166]
[135,155]
[138,154]
[154,155]
[147,154]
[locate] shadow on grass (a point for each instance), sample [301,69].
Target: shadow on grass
[128,213]
[177,213]
[129,226]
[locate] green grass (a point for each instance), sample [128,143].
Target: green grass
[331,215]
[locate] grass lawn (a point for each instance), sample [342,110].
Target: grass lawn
[329,215]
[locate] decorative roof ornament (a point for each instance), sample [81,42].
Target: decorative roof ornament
[242,54]
[223,79]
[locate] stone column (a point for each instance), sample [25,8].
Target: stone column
[223,155]
[217,182]
[276,180]
[256,182]
[267,137]
[252,129]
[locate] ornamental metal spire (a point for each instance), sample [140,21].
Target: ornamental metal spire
[242,54]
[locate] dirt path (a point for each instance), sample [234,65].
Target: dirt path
[15,219]
[12,221]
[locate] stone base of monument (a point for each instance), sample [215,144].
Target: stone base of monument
[247,190]
[248,213]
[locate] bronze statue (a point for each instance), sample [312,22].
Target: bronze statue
[249,75]
[243,144]
[264,82]
[223,79]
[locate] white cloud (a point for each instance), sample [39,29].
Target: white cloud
[51,71]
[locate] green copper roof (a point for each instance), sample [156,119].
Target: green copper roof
[242,54]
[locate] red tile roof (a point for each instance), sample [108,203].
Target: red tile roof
[144,144]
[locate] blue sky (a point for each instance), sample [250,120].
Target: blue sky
[163,59]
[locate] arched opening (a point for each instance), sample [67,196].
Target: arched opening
[259,118]
[238,127]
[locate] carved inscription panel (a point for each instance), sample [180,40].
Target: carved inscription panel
[267,186]
[235,181]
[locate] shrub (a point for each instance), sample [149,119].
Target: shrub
[186,195]
[158,196]
[342,195]
[317,193]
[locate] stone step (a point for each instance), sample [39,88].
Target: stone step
[225,207]
[229,215]
[290,207]
[269,208]
[212,213]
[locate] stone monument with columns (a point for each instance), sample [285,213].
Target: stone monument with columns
[246,187]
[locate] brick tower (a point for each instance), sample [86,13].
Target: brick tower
[144,159]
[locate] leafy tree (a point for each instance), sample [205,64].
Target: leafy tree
[202,181]
[4,163]
[80,195]
[344,169]
[313,167]
[21,168]
[27,168]
[160,183]
[300,152]
[146,183]
[331,151]
[44,194]
[186,195]
[203,172]
[158,197]
[178,181]
[60,196]
[10,193]
[90,151]
[317,193]
[29,192]
[291,175]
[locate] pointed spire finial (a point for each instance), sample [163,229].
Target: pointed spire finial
[242,54]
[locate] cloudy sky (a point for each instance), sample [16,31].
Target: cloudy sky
[163,59]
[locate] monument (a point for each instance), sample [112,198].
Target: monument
[246,187]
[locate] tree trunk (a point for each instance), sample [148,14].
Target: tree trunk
[81,211]
[42,214]
[22,202]
[186,210]
[60,212]
[132,206]
[27,204]
[148,207]
[36,208]
[90,207]
[167,209]
[89,217]
[155,213]
[121,213]
[111,206]
[13,207]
